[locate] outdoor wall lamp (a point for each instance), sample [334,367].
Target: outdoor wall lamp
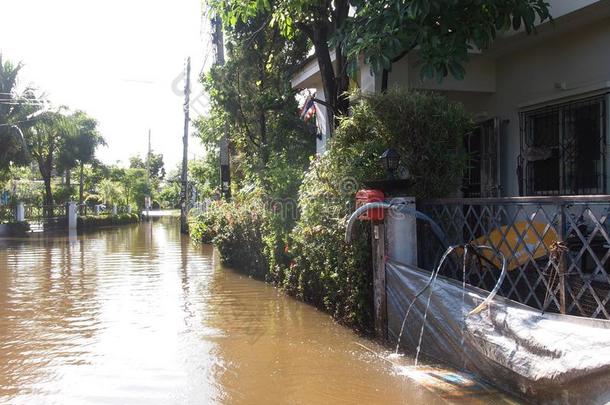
[389,161]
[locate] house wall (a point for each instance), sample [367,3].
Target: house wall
[566,59]
[562,67]
[309,78]
[576,61]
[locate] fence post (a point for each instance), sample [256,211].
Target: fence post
[72,215]
[401,230]
[20,212]
[561,265]
[114,209]
[379,290]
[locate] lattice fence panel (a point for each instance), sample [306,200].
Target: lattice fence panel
[525,230]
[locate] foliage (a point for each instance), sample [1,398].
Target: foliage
[93,199]
[54,139]
[309,258]
[425,128]
[169,196]
[79,148]
[111,192]
[155,160]
[14,109]
[235,229]
[382,31]
[135,187]
[204,172]
[443,30]
[94,221]
[252,101]
[63,193]
[45,140]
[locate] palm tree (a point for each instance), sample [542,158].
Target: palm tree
[110,191]
[14,110]
[79,148]
[45,141]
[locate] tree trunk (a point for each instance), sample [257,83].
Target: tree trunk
[48,193]
[81,184]
[68,178]
[342,80]
[262,119]
[45,165]
[327,72]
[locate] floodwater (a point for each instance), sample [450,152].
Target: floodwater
[138,314]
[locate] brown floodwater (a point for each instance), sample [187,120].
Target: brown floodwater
[138,314]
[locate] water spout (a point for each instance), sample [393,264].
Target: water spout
[430,283]
[395,209]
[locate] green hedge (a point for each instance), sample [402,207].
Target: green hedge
[310,260]
[94,221]
[245,235]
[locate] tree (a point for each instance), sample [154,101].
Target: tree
[79,147]
[205,173]
[135,186]
[14,110]
[45,140]
[110,191]
[252,100]
[383,30]
[169,197]
[157,167]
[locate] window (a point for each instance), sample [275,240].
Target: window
[482,176]
[563,148]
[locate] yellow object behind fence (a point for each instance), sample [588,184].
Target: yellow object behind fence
[518,242]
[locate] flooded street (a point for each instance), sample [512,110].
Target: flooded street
[138,314]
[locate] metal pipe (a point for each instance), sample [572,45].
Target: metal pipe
[400,208]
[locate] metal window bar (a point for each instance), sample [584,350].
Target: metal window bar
[563,148]
[523,227]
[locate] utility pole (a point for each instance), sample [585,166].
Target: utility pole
[185,146]
[225,171]
[148,161]
[148,201]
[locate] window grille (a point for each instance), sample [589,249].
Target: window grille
[563,148]
[482,145]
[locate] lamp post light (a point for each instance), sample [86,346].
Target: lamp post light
[389,161]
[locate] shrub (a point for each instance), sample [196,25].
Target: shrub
[94,221]
[427,131]
[93,199]
[309,258]
[235,229]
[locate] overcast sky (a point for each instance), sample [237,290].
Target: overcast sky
[121,61]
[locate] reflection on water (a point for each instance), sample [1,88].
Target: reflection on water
[138,314]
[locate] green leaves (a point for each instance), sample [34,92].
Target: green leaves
[442,30]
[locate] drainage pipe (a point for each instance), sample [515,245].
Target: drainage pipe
[401,208]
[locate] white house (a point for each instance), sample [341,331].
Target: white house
[541,103]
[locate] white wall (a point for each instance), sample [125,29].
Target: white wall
[321,122]
[578,60]
[502,86]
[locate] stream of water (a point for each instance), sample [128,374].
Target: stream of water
[138,314]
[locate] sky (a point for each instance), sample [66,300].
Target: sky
[121,61]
